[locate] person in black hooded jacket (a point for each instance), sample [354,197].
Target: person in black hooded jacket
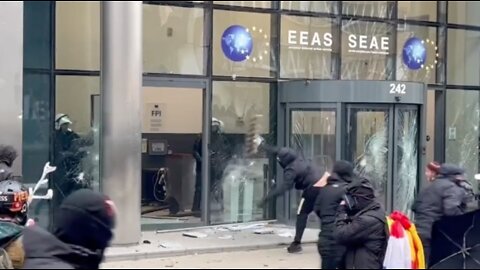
[82,232]
[447,195]
[301,175]
[361,227]
[328,200]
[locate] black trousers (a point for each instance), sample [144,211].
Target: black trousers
[330,252]
[305,207]
[426,249]
[197,196]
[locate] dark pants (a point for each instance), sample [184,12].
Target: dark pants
[197,197]
[306,206]
[330,252]
[426,250]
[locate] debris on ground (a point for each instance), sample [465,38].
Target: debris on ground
[195,234]
[264,231]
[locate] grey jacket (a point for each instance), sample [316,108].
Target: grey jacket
[445,196]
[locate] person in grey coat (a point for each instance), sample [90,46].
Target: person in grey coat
[447,195]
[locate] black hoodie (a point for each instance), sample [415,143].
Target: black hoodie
[82,232]
[297,172]
[44,251]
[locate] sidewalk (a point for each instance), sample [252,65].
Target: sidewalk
[277,258]
[217,239]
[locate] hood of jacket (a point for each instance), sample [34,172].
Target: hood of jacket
[40,244]
[286,156]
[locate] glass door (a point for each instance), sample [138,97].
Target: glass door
[368,138]
[382,142]
[406,157]
[313,134]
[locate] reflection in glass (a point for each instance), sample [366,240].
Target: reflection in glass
[76,135]
[36,137]
[367,145]
[405,183]
[462,130]
[238,181]
[254,4]
[313,134]
[312,6]
[418,54]
[417,10]
[382,9]
[173,39]
[463,52]
[463,12]
[366,50]
[310,57]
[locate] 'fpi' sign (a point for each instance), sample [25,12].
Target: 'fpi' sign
[154,113]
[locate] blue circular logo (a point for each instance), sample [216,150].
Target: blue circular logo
[237,43]
[414,53]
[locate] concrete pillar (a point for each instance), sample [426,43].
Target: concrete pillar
[121,81]
[11,53]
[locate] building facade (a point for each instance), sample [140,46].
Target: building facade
[214,73]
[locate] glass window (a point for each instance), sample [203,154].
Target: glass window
[464,12]
[417,53]
[173,40]
[76,136]
[37,34]
[463,52]
[241,44]
[462,130]
[306,48]
[78,35]
[172,157]
[366,47]
[417,10]
[254,4]
[36,137]
[382,9]
[312,6]
[239,106]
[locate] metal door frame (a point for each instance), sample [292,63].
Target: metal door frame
[203,85]
[311,95]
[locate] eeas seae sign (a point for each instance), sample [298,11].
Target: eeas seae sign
[314,41]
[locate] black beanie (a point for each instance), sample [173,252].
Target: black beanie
[343,168]
[86,218]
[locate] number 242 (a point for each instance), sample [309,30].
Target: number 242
[398,88]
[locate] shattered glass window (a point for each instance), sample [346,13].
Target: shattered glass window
[238,174]
[76,135]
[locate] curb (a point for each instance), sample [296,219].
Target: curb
[186,252]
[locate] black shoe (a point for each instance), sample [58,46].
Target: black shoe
[294,248]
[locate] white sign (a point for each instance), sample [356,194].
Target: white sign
[303,40]
[314,41]
[155,114]
[398,88]
[368,45]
